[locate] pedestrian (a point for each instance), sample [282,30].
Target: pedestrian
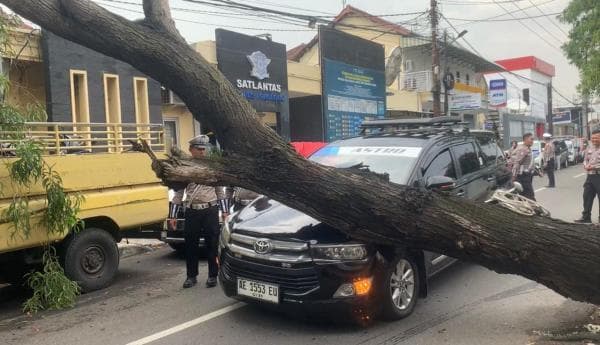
[522,166]
[242,197]
[549,161]
[591,186]
[511,150]
[201,206]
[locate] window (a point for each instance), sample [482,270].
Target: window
[467,158]
[457,76]
[468,79]
[441,165]
[489,149]
[171,133]
[142,108]
[79,97]
[112,108]
[80,108]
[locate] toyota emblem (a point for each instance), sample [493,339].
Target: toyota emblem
[262,246]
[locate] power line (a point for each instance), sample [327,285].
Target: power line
[505,70]
[449,2]
[550,20]
[209,24]
[506,19]
[504,14]
[538,24]
[528,28]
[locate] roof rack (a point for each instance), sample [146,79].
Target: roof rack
[440,123]
[414,123]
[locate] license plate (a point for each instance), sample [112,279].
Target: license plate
[258,290]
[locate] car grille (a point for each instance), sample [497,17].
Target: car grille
[292,281]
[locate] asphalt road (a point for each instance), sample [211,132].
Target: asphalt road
[467,304]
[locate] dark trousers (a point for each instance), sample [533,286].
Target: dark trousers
[197,223]
[525,180]
[591,188]
[550,172]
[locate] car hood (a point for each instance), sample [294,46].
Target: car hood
[266,217]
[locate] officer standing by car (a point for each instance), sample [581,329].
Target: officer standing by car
[201,212]
[591,186]
[549,162]
[522,166]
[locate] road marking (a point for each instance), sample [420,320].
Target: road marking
[539,189]
[187,325]
[577,176]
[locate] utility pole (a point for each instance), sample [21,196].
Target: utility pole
[435,53]
[445,68]
[549,113]
[584,112]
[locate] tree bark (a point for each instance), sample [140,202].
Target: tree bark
[560,255]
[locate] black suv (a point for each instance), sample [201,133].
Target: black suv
[275,255]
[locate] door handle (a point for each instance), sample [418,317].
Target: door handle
[461,193]
[491,178]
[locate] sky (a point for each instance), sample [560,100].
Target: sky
[493,40]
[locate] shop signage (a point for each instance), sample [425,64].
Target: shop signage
[353,82]
[464,101]
[497,93]
[258,68]
[563,117]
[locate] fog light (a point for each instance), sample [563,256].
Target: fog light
[345,290]
[362,286]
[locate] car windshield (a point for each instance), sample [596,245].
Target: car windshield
[396,161]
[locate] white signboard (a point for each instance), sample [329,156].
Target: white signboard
[397,151]
[464,101]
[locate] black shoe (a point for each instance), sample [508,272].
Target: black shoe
[583,220]
[189,282]
[211,282]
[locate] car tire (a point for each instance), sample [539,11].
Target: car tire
[400,295]
[91,258]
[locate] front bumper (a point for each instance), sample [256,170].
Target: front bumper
[307,287]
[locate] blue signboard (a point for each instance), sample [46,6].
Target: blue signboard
[351,94]
[562,117]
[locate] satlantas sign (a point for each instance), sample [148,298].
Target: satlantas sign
[259,63]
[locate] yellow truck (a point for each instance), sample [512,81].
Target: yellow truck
[120,189]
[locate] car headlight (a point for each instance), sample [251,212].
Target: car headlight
[339,252]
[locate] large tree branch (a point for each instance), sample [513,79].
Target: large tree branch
[562,256]
[158,14]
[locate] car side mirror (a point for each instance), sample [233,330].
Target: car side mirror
[441,183]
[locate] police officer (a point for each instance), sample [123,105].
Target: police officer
[201,211]
[591,187]
[522,166]
[549,163]
[242,197]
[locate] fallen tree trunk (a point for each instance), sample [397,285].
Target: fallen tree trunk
[560,255]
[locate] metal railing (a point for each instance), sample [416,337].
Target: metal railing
[59,138]
[420,81]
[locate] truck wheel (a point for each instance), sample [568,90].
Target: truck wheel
[92,259]
[400,290]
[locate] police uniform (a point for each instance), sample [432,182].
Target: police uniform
[201,206]
[549,162]
[242,197]
[522,169]
[591,187]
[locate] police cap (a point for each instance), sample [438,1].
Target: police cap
[201,140]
